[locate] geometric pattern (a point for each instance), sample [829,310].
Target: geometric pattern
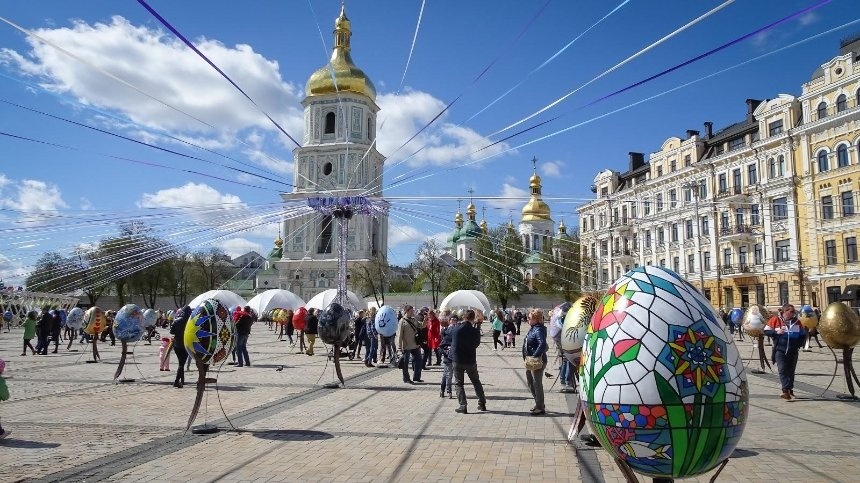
[663,384]
[210,334]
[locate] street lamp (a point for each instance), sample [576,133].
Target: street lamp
[694,189]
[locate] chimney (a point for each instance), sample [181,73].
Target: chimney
[637,160]
[691,133]
[709,129]
[751,105]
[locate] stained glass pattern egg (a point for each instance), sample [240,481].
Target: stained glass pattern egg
[662,381]
[210,333]
[128,323]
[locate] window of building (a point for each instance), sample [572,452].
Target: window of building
[660,236]
[673,165]
[633,211]
[780,161]
[605,276]
[745,296]
[689,229]
[708,294]
[727,257]
[842,156]
[822,110]
[833,294]
[635,241]
[730,296]
[604,191]
[676,264]
[659,171]
[673,198]
[647,205]
[674,232]
[329,123]
[782,288]
[755,217]
[847,203]
[823,165]
[781,248]
[703,189]
[604,248]
[719,149]
[737,143]
[659,202]
[691,263]
[752,174]
[857,101]
[736,180]
[724,221]
[780,208]
[647,238]
[830,252]
[758,254]
[706,230]
[687,160]
[742,255]
[706,260]
[723,183]
[771,168]
[688,195]
[850,249]
[739,217]
[827,207]
[841,103]
[774,128]
[663,262]
[759,294]
[325,239]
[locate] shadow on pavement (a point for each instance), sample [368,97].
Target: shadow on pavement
[508,398]
[290,434]
[743,453]
[385,388]
[21,443]
[518,413]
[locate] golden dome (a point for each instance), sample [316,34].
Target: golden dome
[534,181]
[561,227]
[484,226]
[536,210]
[458,219]
[471,211]
[347,77]
[279,242]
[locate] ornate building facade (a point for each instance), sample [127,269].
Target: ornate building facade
[337,157]
[760,212]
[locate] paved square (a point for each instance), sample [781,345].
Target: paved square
[70,422]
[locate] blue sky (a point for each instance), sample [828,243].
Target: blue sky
[271,47]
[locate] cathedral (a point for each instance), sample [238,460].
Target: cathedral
[338,157]
[536,230]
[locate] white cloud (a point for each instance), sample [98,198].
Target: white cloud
[86,204]
[808,19]
[191,195]
[512,197]
[162,66]
[443,143]
[30,195]
[399,234]
[552,168]
[12,272]
[239,246]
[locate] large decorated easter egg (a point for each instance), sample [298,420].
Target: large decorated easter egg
[210,334]
[279,316]
[299,318]
[128,323]
[75,318]
[150,317]
[839,326]
[736,316]
[7,316]
[754,320]
[807,317]
[386,321]
[95,321]
[662,382]
[556,320]
[335,324]
[573,330]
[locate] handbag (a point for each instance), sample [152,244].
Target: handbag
[533,363]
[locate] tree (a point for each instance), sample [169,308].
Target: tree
[560,268]
[371,278]
[151,282]
[52,273]
[431,266]
[501,263]
[178,277]
[210,268]
[461,277]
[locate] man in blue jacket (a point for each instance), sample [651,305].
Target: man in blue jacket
[465,339]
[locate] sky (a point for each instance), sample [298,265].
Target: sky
[492,64]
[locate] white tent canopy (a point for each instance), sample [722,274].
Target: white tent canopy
[275,299]
[465,299]
[324,299]
[226,297]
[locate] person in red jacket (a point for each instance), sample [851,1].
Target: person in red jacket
[788,337]
[434,336]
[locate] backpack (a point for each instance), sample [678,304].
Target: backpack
[420,335]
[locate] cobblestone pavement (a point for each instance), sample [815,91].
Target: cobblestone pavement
[70,422]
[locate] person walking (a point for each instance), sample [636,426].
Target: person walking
[445,348]
[407,344]
[534,350]
[788,338]
[177,329]
[29,332]
[311,328]
[465,339]
[497,321]
[243,331]
[434,337]
[372,338]
[56,328]
[43,331]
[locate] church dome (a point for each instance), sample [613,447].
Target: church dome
[347,77]
[535,209]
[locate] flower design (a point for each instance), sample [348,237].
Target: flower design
[696,358]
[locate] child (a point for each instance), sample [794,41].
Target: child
[4,391]
[448,362]
[164,354]
[510,330]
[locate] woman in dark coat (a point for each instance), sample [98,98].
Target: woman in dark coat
[178,331]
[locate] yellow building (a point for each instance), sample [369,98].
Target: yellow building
[828,157]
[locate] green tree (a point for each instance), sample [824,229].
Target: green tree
[210,268]
[371,278]
[52,273]
[501,263]
[431,267]
[178,277]
[461,277]
[560,268]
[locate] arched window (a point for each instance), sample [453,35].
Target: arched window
[370,129]
[329,123]
[841,103]
[771,168]
[842,156]
[780,168]
[822,110]
[857,101]
[822,162]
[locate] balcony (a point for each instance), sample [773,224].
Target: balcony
[737,271]
[734,194]
[625,256]
[738,233]
[622,226]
